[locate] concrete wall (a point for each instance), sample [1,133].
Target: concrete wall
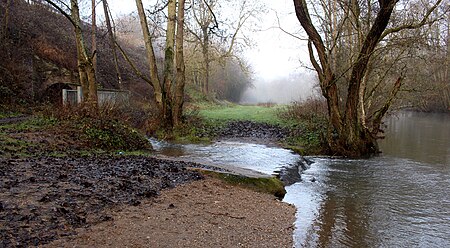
[73,97]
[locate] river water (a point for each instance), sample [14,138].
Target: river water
[398,199]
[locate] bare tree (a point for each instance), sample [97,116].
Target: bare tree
[86,68]
[351,131]
[205,27]
[112,41]
[169,103]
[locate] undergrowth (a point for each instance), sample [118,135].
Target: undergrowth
[311,121]
[102,128]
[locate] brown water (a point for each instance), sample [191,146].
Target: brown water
[399,199]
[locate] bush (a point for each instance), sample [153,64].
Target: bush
[105,128]
[312,121]
[311,110]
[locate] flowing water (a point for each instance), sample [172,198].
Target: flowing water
[398,199]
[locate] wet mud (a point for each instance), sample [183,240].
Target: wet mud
[249,129]
[43,199]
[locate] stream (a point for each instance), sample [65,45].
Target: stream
[398,199]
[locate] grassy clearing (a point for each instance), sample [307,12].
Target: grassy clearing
[243,113]
[306,120]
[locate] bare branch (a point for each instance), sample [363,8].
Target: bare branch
[420,24]
[64,13]
[132,65]
[286,32]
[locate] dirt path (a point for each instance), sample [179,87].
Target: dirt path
[206,213]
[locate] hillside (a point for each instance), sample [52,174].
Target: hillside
[38,56]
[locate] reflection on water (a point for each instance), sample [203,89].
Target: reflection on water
[399,199]
[382,202]
[421,137]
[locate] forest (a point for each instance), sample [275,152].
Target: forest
[134,126]
[368,62]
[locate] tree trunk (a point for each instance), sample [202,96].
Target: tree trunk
[85,67]
[164,88]
[5,23]
[355,136]
[206,60]
[94,36]
[180,74]
[155,82]
[169,63]
[347,134]
[112,42]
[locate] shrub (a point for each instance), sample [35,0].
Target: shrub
[311,110]
[104,128]
[312,121]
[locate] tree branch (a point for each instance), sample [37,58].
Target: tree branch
[423,22]
[378,115]
[62,12]
[133,66]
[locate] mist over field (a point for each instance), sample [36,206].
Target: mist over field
[294,87]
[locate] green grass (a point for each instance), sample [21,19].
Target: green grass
[34,123]
[243,113]
[8,114]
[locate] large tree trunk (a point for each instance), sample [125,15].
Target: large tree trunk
[169,63]
[347,135]
[163,89]
[180,76]
[355,136]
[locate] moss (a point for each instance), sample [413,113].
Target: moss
[269,185]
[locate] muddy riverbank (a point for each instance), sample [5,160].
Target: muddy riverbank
[45,199]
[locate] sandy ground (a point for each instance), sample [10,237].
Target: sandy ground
[205,213]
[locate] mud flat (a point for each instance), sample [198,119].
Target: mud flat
[118,201]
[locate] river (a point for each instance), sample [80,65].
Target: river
[397,199]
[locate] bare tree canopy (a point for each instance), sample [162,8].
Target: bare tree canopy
[344,38]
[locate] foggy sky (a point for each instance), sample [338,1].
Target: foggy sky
[274,56]
[282,90]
